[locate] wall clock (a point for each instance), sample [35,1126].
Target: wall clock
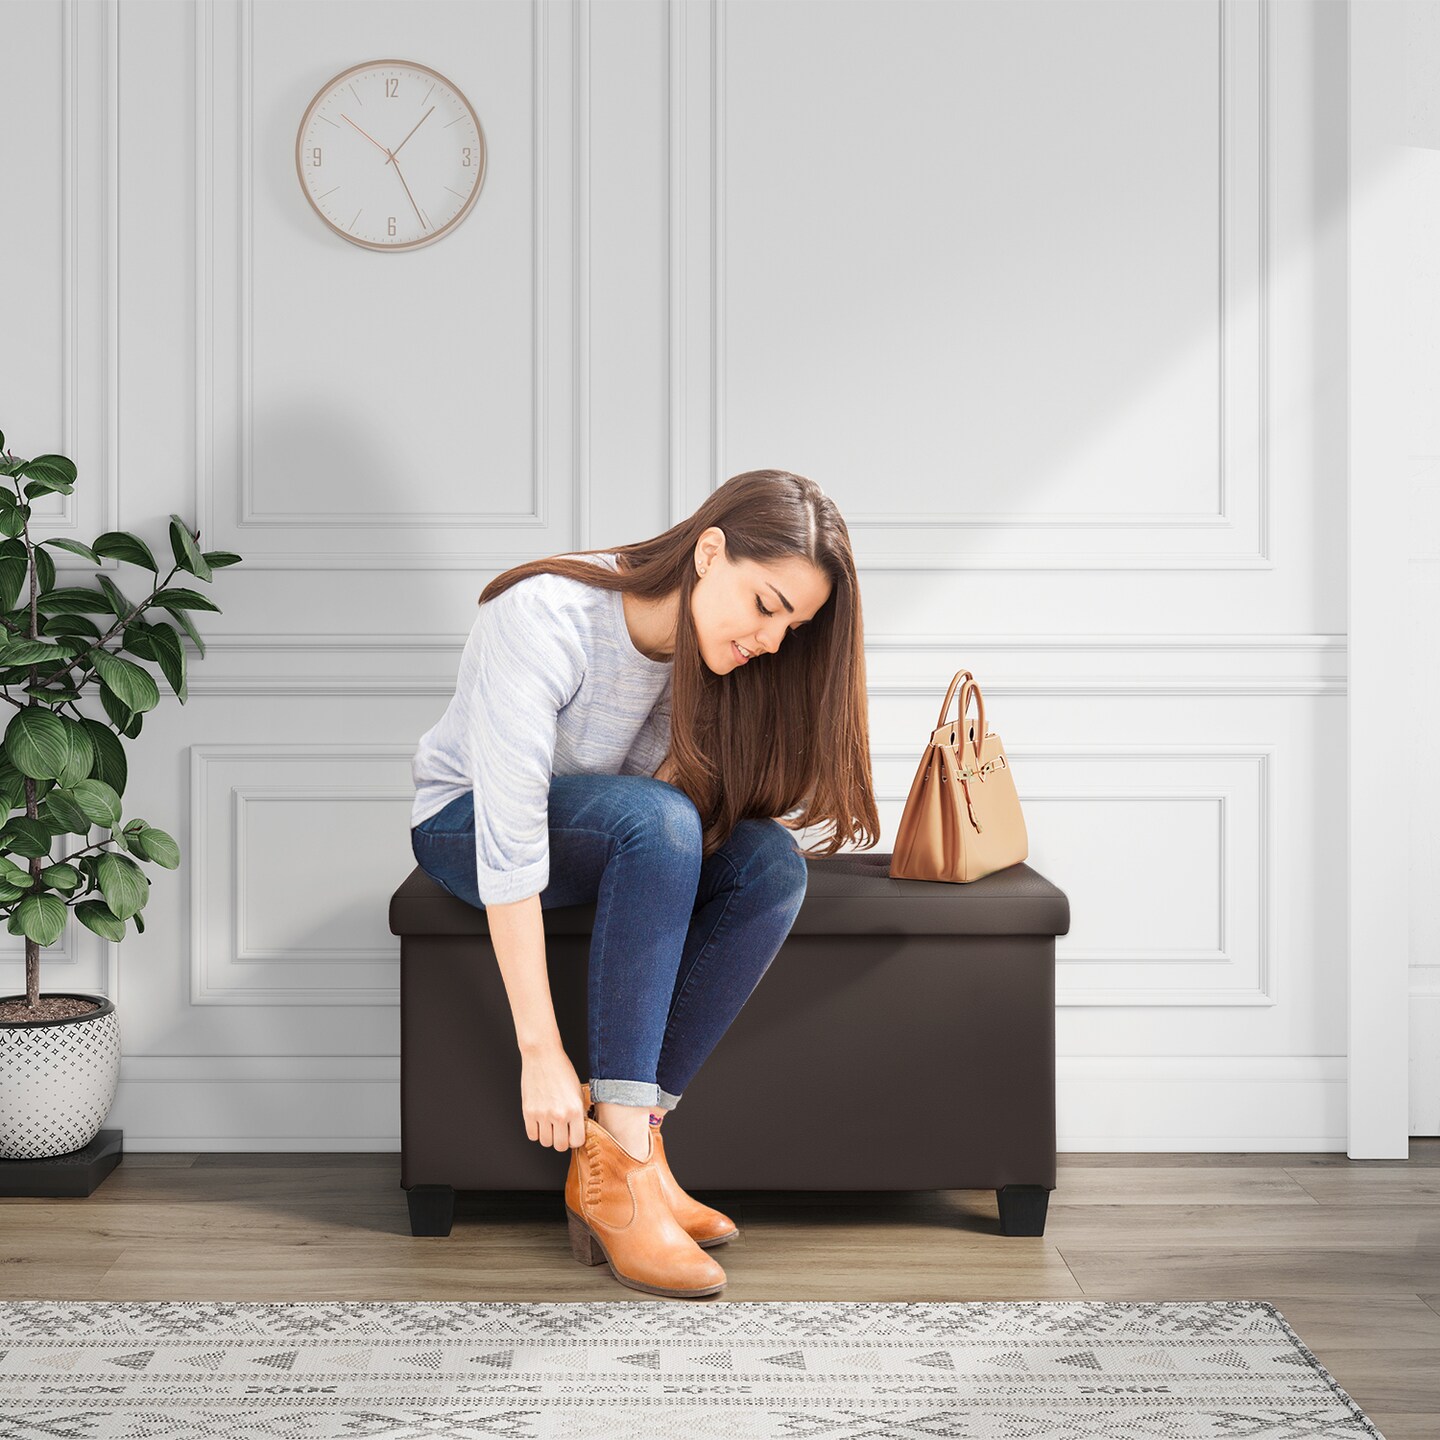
[390,154]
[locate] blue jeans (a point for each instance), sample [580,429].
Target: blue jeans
[678,944]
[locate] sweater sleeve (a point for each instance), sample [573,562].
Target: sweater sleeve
[529,663]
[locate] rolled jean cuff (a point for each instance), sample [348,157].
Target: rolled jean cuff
[632,1092]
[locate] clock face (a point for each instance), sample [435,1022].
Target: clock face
[391,155]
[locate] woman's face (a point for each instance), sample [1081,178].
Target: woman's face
[727,602]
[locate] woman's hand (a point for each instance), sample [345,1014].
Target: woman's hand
[550,1098]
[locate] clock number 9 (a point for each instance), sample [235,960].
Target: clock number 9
[314,155]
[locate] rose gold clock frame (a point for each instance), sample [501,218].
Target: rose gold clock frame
[464,210]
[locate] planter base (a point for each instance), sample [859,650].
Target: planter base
[78,1173]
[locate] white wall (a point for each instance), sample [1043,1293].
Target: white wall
[1394,582]
[1049,297]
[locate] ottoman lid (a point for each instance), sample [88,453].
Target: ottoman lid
[848,894]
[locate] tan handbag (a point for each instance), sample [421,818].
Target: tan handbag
[962,818]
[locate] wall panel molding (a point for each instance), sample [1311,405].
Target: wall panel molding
[408,537]
[187,1103]
[1232,532]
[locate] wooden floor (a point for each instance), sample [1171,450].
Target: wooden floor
[1348,1251]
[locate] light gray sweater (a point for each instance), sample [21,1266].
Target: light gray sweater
[550,683]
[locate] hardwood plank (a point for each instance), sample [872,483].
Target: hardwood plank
[1395,1426]
[1371,1185]
[1247,1272]
[1286,1227]
[1408,1380]
[1405,1321]
[1132,1185]
[1424,1150]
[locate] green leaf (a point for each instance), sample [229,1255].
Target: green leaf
[82,753]
[174,597]
[44,570]
[156,845]
[110,764]
[218,559]
[120,605]
[127,721]
[135,638]
[40,918]
[99,801]
[37,743]
[187,556]
[62,812]
[27,837]
[13,520]
[17,651]
[61,876]
[133,686]
[12,873]
[73,600]
[12,790]
[47,472]
[170,656]
[75,546]
[9,893]
[51,695]
[97,917]
[122,545]
[123,884]
[68,626]
[183,620]
[14,573]
[59,465]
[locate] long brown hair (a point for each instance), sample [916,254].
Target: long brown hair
[793,729]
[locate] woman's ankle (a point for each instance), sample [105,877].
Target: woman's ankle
[629,1124]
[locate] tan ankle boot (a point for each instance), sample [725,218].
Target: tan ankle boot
[618,1215]
[703,1225]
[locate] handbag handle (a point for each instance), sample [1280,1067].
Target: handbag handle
[968,688]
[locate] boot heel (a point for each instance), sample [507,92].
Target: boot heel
[583,1245]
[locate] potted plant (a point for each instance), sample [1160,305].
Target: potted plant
[62,774]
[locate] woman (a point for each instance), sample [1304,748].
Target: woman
[638,729]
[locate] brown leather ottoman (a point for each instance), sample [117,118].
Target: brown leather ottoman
[902,1039]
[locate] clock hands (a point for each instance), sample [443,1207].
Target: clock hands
[413,129]
[391,154]
[370,138]
[418,215]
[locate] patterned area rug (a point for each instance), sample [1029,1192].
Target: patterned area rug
[989,1370]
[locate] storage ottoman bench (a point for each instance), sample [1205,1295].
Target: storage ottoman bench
[916,1018]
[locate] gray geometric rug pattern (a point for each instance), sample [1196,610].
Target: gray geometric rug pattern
[658,1370]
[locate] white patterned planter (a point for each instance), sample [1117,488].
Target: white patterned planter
[57,1080]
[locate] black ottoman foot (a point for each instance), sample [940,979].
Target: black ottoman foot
[1022,1209]
[432,1209]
